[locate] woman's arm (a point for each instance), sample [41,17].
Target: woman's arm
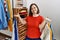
[42,25]
[20,19]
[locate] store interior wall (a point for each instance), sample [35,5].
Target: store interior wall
[51,9]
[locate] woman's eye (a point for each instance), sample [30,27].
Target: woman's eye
[34,7]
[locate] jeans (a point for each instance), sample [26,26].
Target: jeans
[32,38]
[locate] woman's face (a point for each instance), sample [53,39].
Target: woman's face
[34,9]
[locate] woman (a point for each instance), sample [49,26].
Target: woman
[35,23]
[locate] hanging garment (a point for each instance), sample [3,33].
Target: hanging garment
[23,14]
[47,33]
[6,10]
[11,15]
[3,21]
[52,31]
[15,30]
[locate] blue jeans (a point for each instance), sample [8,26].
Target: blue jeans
[32,38]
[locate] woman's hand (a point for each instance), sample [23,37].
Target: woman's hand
[20,19]
[48,19]
[17,16]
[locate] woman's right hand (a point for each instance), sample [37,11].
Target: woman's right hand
[21,20]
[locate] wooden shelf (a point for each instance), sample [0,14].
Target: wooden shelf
[6,33]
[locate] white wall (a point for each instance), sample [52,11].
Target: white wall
[50,8]
[32,1]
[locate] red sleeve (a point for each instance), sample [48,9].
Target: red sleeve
[41,19]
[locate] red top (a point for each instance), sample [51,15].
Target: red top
[33,30]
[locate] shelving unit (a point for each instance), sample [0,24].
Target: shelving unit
[5,35]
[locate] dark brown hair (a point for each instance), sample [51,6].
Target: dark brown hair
[30,12]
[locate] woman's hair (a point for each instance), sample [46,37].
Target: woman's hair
[30,12]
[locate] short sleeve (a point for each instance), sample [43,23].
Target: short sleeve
[41,19]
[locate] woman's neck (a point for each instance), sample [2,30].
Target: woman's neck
[35,15]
